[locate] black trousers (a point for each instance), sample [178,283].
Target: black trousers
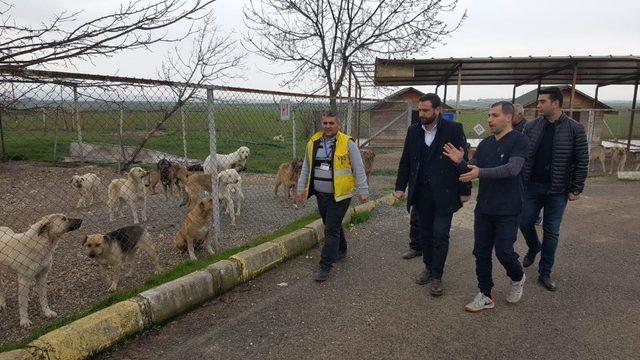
[434,232]
[499,231]
[332,213]
[414,231]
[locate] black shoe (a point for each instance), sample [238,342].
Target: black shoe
[321,274]
[411,254]
[341,255]
[424,277]
[548,283]
[529,259]
[437,289]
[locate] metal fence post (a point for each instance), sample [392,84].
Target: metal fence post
[4,150]
[215,224]
[76,111]
[293,133]
[121,136]
[184,134]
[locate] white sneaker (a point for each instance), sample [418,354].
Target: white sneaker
[515,290]
[480,302]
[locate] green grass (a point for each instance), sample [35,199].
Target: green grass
[177,271]
[360,217]
[385,172]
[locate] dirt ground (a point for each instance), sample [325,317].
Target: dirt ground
[29,191]
[371,308]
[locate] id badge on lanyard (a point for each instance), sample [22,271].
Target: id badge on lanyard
[325,165]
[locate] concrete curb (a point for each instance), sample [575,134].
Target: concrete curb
[628,175]
[98,331]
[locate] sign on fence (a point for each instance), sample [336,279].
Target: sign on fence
[284,110]
[479,129]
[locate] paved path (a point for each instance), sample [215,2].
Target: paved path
[370,307]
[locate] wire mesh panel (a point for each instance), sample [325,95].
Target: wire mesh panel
[107,182]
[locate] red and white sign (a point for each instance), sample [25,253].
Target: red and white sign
[284,109]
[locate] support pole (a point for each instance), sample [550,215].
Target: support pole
[513,95]
[538,94]
[293,132]
[573,89]
[458,90]
[444,99]
[4,150]
[633,114]
[123,154]
[215,223]
[184,134]
[76,112]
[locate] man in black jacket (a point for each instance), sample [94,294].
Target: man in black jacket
[555,171]
[434,188]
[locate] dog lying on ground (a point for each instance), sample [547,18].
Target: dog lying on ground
[288,174]
[89,186]
[229,190]
[29,255]
[118,248]
[367,159]
[170,174]
[236,160]
[131,191]
[279,138]
[195,228]
[598,152]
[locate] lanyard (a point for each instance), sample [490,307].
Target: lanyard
[324,147]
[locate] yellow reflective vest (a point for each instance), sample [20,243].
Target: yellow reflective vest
[344,183]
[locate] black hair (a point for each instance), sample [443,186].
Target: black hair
[329,113]
[434,99]
[553,92]
[505,106]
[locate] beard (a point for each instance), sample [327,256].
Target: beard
[428,120]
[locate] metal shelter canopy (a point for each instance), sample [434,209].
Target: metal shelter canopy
[595,70]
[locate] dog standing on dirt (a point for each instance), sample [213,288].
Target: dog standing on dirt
[367,159]
[618,155]
[131,191]
[118,249]
[195,228]
[598,152]
[170,175]
[30,255]
[288,174]
[89,186]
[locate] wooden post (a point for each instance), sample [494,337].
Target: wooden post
[633,113]
[595,98]
[538,94]
[215,222]
[573,89]
[444,99]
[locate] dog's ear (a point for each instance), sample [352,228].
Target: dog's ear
[201,204]
[44,228]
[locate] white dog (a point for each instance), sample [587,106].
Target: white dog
[29,255]
[89,187]
[231,196]
[129,190]
[279,138]
[236,160]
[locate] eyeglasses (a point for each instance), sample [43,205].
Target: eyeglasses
[328,123]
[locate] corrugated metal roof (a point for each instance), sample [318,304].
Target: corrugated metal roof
[598,70]
[532,97]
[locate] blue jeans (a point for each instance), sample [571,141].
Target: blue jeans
[537,197]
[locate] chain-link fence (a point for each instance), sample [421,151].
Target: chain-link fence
[98,157]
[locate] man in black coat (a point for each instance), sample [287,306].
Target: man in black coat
[434,188]
[554,172]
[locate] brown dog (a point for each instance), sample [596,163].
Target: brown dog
[195,228]
[367,159]
[154,179]
[288,174]
[118,248]
[618,155]
[170,174]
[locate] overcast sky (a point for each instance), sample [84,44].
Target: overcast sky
[493,28]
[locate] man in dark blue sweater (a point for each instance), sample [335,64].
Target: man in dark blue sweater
[499,159]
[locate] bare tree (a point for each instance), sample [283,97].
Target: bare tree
[212,57]
[138,24]
[321,37]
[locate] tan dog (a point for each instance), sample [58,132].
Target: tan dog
[89,186]
[230,188]
[618,155]
[598,152]
[279,138]
[29,255]
[131,191]
[118,248]
[195,229]
[154,179]
[236,160]
[367,159]
[288,174]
